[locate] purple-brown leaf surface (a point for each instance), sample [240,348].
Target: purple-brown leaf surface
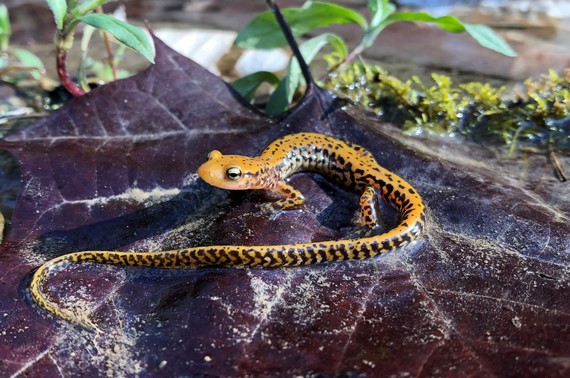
[485,292]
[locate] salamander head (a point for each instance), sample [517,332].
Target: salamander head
[233,172]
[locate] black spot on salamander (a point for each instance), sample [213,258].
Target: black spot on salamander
[348,168]
[374,245]
[208,257]
[323,254]
[406,238]
[267,256]
[340,250]
[400,185]
[411,191]
[311,254]
[371,178]
[334,168]
[332,156]
[233,253]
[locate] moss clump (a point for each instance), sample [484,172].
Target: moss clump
[538,117]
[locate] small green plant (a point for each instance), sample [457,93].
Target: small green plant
[263,33]
[69,14]
[538,118]
[16,63]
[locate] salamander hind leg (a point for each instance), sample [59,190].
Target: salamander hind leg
[369,212]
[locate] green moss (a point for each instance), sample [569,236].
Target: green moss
[538,117]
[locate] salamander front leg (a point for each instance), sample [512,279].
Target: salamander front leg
[291,198]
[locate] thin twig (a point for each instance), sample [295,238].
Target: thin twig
[293,44]
[556,165]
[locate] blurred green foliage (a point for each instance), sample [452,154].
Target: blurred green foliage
[537,118]
[263,32]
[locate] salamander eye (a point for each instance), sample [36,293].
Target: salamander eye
[233,173]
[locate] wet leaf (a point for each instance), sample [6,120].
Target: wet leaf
[80,8]
[247,85]
[485,292]
[29,59]
[263,32]
[487,38]
[59,10]
[484,35]
[132,36]
[280,100]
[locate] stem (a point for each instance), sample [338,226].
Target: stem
[109,48]
[64,76]
[556,164]
[349,58]
[110,55]
[293,44]
[353,54]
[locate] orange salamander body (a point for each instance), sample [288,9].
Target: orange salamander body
[345,163]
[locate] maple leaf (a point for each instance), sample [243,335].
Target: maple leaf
[483,293]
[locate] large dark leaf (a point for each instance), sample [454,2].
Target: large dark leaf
[485,292]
